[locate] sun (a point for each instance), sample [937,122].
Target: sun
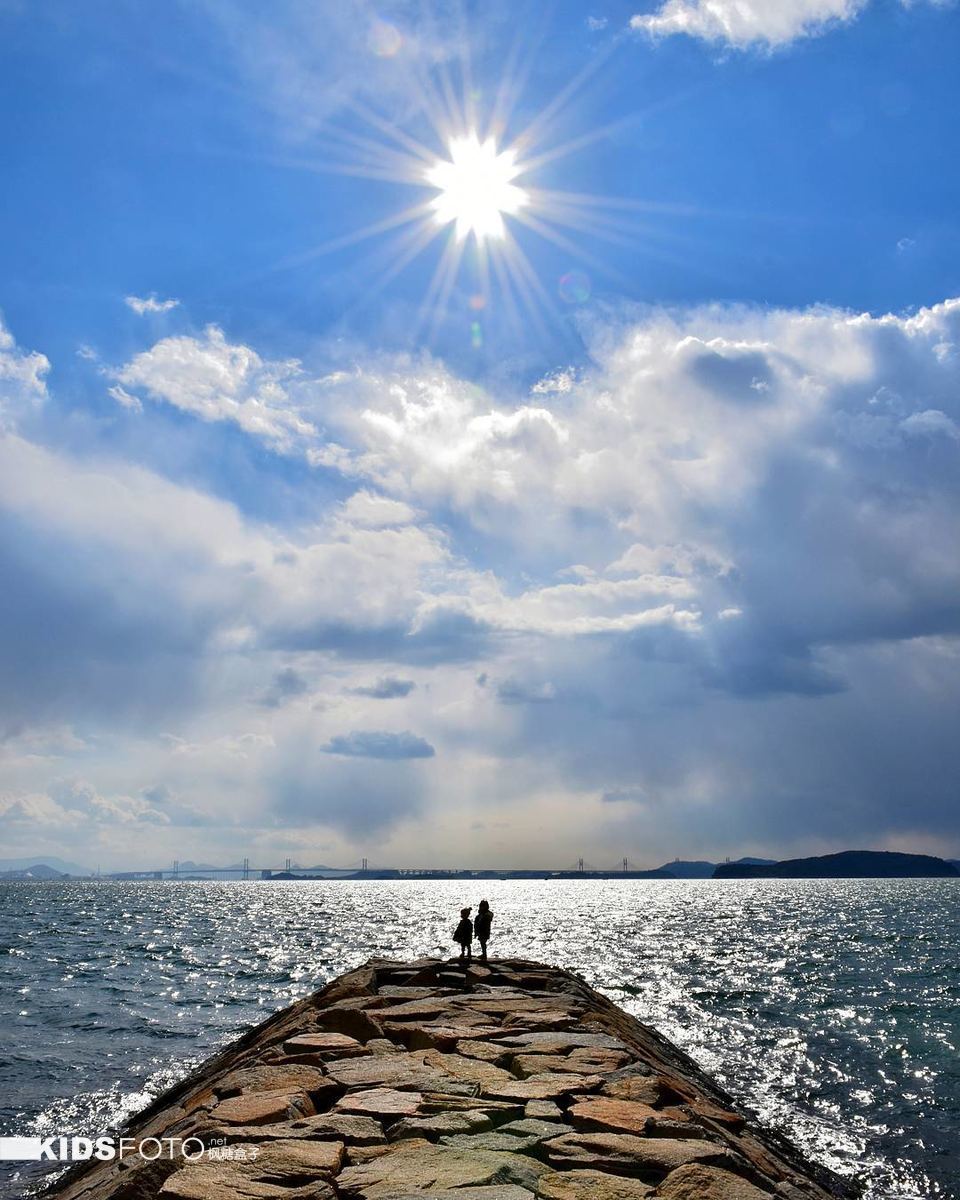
[476,187]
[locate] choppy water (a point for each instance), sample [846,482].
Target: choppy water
[831,1008]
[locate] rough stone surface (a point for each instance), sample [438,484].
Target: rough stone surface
[542,1110]
[380,1102]
[645,1089]
[502,1191]
[283,1077]
[591,1185]
[511,1081]
[488,1051]
[544,1087]
[530,1127]
[229,1181]
[336,1045]
[406,1070]
[614,1151]
[355,1130]
[626,1116]
[428,1168]
[695,1182]
[262,1108]
[440,1124]
[298,1160]
[503,1143]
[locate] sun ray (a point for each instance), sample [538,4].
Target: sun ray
[407,217]
[552,110]
[531,298]
[483,203]
[595,200]
[447,263]
[412,243]
[591,137]
[514,77]
[544,230]
[392,131]
[504,283]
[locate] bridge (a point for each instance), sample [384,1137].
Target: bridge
[364,870]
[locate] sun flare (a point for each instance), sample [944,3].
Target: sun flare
[476,187]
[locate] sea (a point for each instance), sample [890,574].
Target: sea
[829,1008]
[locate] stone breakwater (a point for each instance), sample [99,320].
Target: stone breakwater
[510,1081]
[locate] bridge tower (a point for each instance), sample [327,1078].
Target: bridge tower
[246,868]
[580,865]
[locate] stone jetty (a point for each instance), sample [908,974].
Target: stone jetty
[509,1081]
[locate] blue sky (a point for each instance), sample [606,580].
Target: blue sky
[653,550]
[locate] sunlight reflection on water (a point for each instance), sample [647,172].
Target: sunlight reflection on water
[831,1008]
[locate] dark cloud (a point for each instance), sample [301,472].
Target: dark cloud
[287,685]
[445,635]
[364,799]
[740,378]
[387,687]
[81,634]
[515,691]
[377,744]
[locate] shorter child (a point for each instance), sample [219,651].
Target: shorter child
[464,934]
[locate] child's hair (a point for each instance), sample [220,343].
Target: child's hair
[464,913]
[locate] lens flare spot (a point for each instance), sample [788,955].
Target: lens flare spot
[574,287]
[476,187]
[385,40]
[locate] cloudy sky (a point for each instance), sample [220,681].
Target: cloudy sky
[328,532]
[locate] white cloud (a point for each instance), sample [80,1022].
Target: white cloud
[72,804]
[149,304]
[370,511]
[931,423]
[219,381]
[22,383]
[727,505]
[124,399]
[743,23]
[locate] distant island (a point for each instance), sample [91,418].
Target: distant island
[701,868]
[849,864]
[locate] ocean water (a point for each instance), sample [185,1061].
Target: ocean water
[831,1009]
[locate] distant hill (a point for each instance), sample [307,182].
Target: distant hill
[684,868]
[698,868]
[849,864]
[38,871]
[46,860]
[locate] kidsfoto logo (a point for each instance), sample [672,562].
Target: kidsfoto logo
[80,1149]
